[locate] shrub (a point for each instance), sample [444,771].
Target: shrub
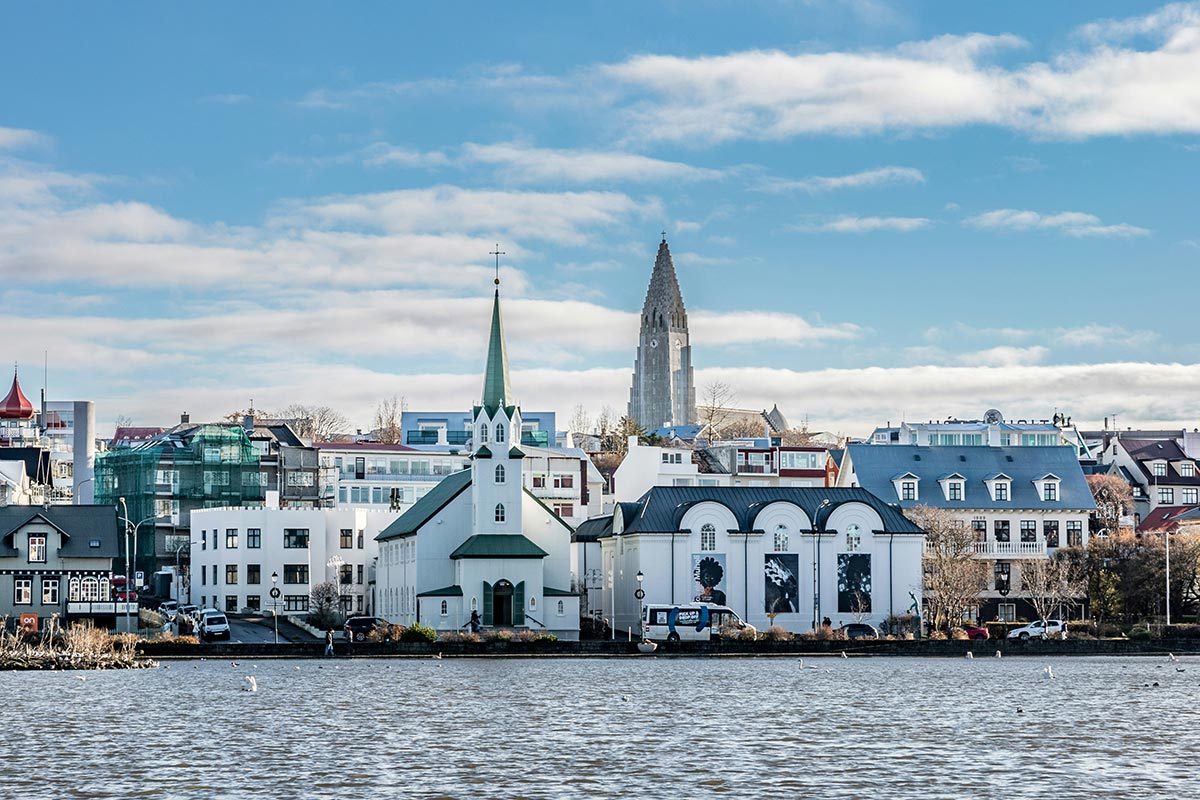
[999,630]
[418,633]
[546,637]
[958,634]
[822,634]
[169,642]
[1182,631]
[1140,631]
[499,636]
[745,635]
[1110,630]
[937,636]
[777,633]
[386,632]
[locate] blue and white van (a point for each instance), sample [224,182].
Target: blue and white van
[691,622]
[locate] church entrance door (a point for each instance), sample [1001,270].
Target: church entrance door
[502,599]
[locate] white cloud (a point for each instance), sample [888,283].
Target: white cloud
[857,180]
[381,154]
[1004,356]
[520,163]
[1071,223]
[753,327]
[853,224]
[17,138]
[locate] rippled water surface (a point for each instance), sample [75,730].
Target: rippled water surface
[644,727]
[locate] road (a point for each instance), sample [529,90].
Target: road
[260,629]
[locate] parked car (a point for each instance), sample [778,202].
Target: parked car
[214,626]
[690,622]
[186,611]
[977,632]
[1036,630]
[359,628]
[860,630]
[169,609]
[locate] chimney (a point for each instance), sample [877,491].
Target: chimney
[248,423]
[184,418]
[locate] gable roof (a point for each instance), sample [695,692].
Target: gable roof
[498,545]
[873,466]
[81,524]
[661,509]
[427,507]
[1143,451]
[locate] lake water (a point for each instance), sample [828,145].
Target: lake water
[636,727]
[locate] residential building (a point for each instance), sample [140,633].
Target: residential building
[382,476]
[990,431]
[58,560]
[237,550]
[765,462]
[65,430]
[664,387]
[480,541]
[1022,502]
[645,466]
[775,555]
[450,431]
[1160,474]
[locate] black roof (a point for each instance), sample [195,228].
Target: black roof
[37,462]
[662,508]
[81,524]
[593,529]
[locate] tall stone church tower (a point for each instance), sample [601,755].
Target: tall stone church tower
[664,390]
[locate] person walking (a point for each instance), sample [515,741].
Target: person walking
[329,644]
[475,622]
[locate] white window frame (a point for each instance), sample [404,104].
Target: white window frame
[708,537]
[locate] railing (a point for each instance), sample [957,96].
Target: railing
[555,494]
[529,616]
[1011,549]
[756,469]
[96,609]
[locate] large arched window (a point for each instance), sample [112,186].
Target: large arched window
[105,590]
[73,592]
[499,473]
[781,538]
[499,512]
[90,590]
[499,431]
[483,429]
[708,536]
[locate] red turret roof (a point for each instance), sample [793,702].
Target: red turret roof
[16,405]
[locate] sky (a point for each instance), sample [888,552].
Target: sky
[877,211]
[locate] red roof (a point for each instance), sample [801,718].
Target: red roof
[1167,518]
[16,405]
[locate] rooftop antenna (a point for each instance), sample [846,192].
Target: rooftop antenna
[497,253]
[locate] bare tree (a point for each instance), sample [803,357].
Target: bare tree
[739,426]
[798,437]
[625,428]
[713,411]
[387,419]
[581,421]
[124,421]
[1114,501]
[316,422]
[604,426]
[324,602]
[1052,583]
[954,577]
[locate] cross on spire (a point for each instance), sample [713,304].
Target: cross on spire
[497,253]
[664,233]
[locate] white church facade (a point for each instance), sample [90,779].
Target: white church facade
[479,541]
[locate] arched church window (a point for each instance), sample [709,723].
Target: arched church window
[708,536]
[483,430]
[499,473]
[561,608]
[499,512]
[445,608]
[499,431]
[853,538]
[781,538]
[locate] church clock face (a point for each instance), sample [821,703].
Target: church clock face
[654,342]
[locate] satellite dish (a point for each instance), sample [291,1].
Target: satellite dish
[993,417]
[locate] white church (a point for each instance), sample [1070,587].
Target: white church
[480,541]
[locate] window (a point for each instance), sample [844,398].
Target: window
[672,458]
[231,574]
[564,481]
[254,602]
[346,539]
[295,602]
[445,605]
[231,605]
[980,528]
[1050,491]
[908,490]
[1002,530]
[708,537]
[1028,530]
[254,538]
[499,431]
[1001,490]
[564,509]
[360,539]
[792,460]
[853,538]
[214,572]
[360,574]
[1187,469]
[1008,612]
[295,538]
[499,473]
[37,548]
[483,433]
[539,481]
[562,608]
[89,590]
[203,577]
[1166,495]
[1006,440]
[781,538]
[300,479]
[203,540]
[1074,533]
[1160,469]
[1189,496]
[499,512]
[231,537]
[22,591]
[295,573]
[49,591]
[253,574]
[75,594]
[1050,532]
[956,490]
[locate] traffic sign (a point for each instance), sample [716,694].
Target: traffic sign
[275,592]
[640,594]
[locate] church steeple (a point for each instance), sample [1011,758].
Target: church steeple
[663,296]
[497,391]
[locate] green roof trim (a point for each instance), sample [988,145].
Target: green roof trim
[427,507]
[498,545]
[548,592]
[483,452]
[516,453]
[449,591]
[496,388]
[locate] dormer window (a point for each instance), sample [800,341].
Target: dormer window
[1050,491]
[1160,469]
[1000,485]
[1000,490]
[956,490]
[908,490]
[1187,469]
[952,486]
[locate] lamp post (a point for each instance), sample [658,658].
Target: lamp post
[178,548]
[1167,545]
[131,528]
[275,602]
[640,594]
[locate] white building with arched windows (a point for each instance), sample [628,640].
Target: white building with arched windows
[480,540]
[777,556]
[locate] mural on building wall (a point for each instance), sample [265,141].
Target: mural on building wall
[708,572]
[781,582]
[854,583]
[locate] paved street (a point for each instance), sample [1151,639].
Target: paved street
[260,629]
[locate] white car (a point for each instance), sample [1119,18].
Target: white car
[1035,630]
[214,626]
[169,609]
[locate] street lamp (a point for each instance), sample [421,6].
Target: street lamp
[275,602]
[130,528]
[178,548]
[640,594]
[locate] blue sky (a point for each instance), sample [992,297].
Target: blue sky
[877,210]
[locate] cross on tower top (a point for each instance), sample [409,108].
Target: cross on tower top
[497,253]
[664,233]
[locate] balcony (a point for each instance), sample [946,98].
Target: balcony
[755,469]
[1010,549]
[107,609]
[551,493]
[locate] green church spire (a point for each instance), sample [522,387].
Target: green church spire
[497,392]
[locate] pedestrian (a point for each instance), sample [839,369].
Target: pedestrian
[475,622]
[827,623]
[329,644]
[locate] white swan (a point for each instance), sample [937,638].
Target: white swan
[1172,656]
[998,654]
[251,684]
[1048,673]
[844,654]
[970,656]
[437,656]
